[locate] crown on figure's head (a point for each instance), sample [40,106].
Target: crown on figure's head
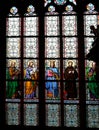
[52,61]
[12,61]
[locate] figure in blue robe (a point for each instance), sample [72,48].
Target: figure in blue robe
[52,77]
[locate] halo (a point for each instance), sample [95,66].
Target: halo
[31,7]
[12,61]
[14,10]
[90,63]
[30,61]
[70,61]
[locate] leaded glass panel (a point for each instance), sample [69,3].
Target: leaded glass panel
[70,47]
[13,47]
[71,115]
[51,25]
[31,47]
[13,114]
[52,47]
[53,114]
[69,22]
[31,114]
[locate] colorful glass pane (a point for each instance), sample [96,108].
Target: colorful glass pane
[13,74]
[52,77]
[31,76]
[70,74]
[60,2]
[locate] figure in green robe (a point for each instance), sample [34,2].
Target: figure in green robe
[12,84]
[92,83]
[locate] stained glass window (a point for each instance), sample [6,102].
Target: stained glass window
[45,46]
[70,64]
[13,65]
[91,19]
[22,68]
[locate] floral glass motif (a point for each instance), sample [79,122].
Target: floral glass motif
[92,87]
[69,22]
[70,47]
[30,22]
[31,114]
[51,22]
[31,47]
[13,114]
[13,23]
[46,2]
[53,114]
[60,2]
[52,47]
[71,118]
[13,47]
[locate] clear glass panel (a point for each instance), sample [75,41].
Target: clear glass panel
[88,44]
[52,47]
[52,25]
[13,23]
[31,47]
[70,47]
[30,22]
[69,22]
[13,46]
[90,18]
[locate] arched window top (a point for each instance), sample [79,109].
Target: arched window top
[13,11]
[60,2]
[73,1]
[30,11]
[90,9]
[51,10]
[69,10]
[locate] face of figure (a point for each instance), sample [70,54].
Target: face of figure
[13,64]
[28,10]
[70,63]
[93,65]
[31,64]
[52,63]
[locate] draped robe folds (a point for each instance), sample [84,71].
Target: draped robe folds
[52,86]
[12,83]
[70,76]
